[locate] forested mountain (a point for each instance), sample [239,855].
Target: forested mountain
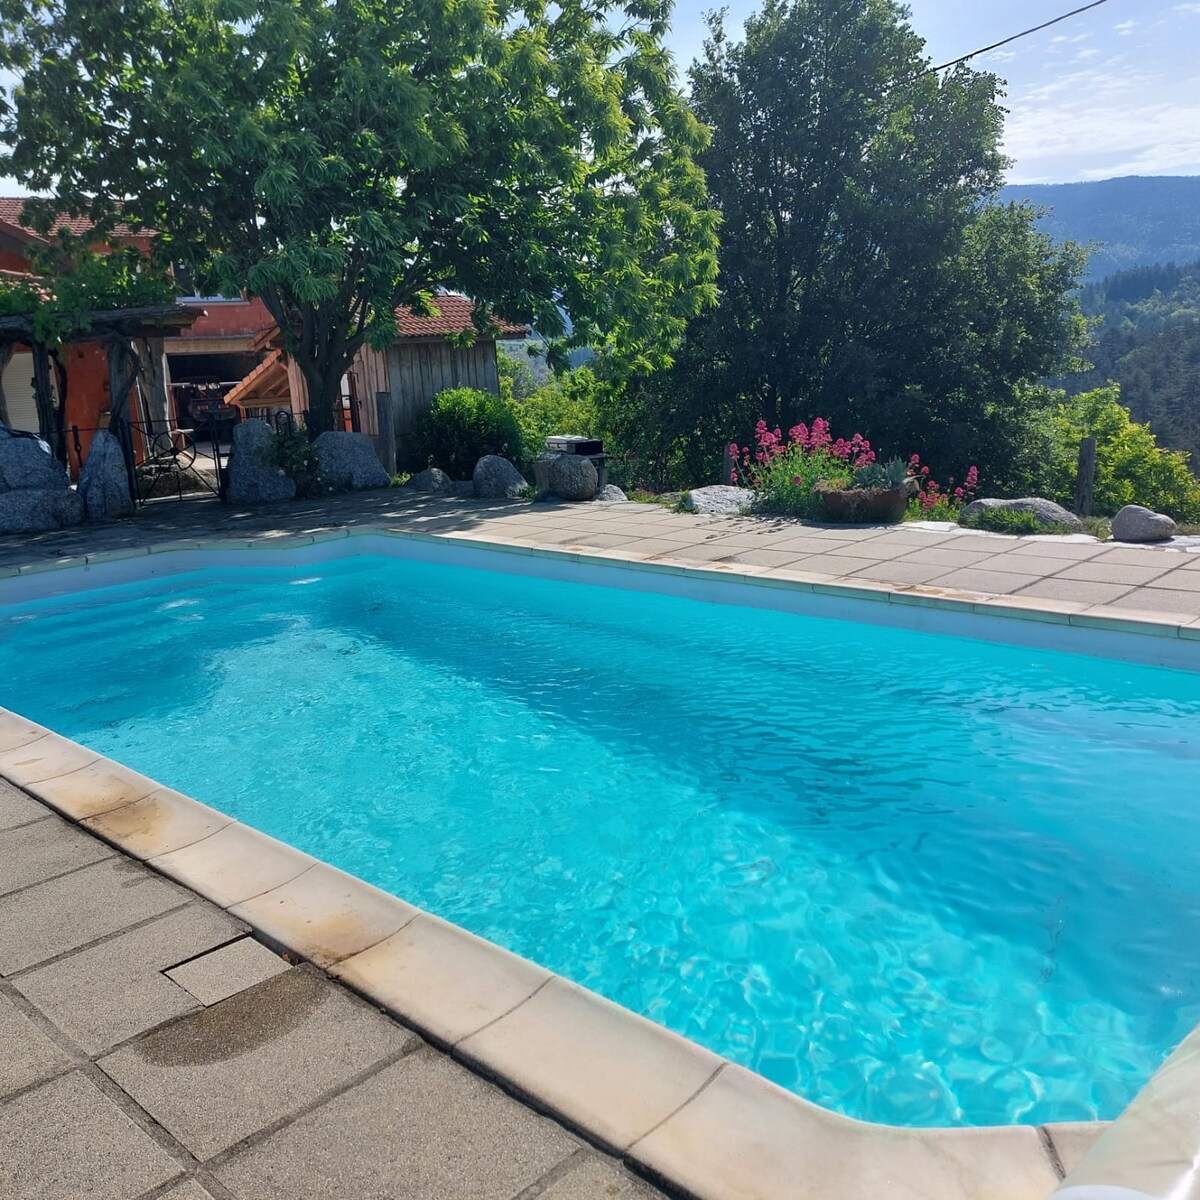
[1139,220]
[1148,341]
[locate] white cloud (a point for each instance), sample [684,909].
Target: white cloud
[1188,8]
[1127,27]
[1002,56]
[1086,54]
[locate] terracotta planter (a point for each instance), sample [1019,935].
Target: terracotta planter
[878,506]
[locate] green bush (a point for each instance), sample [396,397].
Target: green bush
[1131,467]
[1008,520]
[461,426]
[296,457]
[784,485]
[567,404]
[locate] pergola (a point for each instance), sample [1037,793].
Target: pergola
[120,330]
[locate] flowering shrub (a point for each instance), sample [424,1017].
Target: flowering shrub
[784,472]
[935,503]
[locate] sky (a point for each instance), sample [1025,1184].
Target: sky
[1115,91]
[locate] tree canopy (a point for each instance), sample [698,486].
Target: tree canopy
[864,275]
[339,158]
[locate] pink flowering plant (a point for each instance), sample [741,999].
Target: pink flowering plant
[934,502]
[784,471]
[789,473]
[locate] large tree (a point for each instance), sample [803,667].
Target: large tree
[865,277]
[339,158]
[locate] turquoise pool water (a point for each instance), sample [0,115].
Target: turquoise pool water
[917,879]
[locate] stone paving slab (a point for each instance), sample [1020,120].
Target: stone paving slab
[423,1129]
[224,972]
[67,1140]
[64,914]
[108,993]
[16,808]
[27,1055]
[32,853]
[226,1072]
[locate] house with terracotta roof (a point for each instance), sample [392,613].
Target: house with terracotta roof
[219,349]
[425,359]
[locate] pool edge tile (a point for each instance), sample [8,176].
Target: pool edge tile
[741,1136]
[596,1064]
[441,979]
[233,864]
[17,731]
[161,822]
[92,789]
[325,915]
[44,758]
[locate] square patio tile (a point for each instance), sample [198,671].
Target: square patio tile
[108,993]
[225,1072]
[1025,564]
[901,572]
[63,914]
[422,1129]
[975,579]
[1185,605]
[16,808]
[827,564]
[597,1178]
[224,972]
[27,1055]
[1077,590]
[1134,556]
[67,1139]
[1100,571]
[33,853]
[1181,579]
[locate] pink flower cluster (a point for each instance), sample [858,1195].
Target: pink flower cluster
[931,495]
[771,444]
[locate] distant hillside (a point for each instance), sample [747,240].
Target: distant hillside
[1140,220]
[1148,341]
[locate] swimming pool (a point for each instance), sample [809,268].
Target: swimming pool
[914,878]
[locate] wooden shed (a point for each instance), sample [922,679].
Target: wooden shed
[422,362]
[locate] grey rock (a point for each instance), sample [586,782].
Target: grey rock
[1049,515]
[103,483]
[495,478]
[27,464]
[252,478]
[610,494]
[1137,524]
[462,487]
[38,510]
[720,500]
[434,480]
[573,477]
[349,462]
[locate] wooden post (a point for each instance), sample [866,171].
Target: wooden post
[1085,478]
[6,353]
[387,431]
[154,383]
[728,464]
[43,392]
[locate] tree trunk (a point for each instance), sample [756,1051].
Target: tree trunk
[43,392]
[6,353]
[324,396]
[154,383]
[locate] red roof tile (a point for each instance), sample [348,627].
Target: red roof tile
[454,316]
[10,214]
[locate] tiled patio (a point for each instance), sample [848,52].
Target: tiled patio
[149,1048]
[1065,575]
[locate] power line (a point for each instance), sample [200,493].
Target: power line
[1015,37]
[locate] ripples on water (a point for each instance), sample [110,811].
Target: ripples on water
[919,880]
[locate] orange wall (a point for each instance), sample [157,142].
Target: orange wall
[12,260]
[225,318]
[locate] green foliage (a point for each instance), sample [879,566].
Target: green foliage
[338,158]
[1147,328]
[73,280]
[863,273]
[786,485]
[1007,520]
[516,379]
[572,403]
[875,475]
[461,426]
[1131,467]
[296,456]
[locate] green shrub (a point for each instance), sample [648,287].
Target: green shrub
[567,404]
[1131,467]
[296,457]
[784,485]
[1005,520]
[461,426]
